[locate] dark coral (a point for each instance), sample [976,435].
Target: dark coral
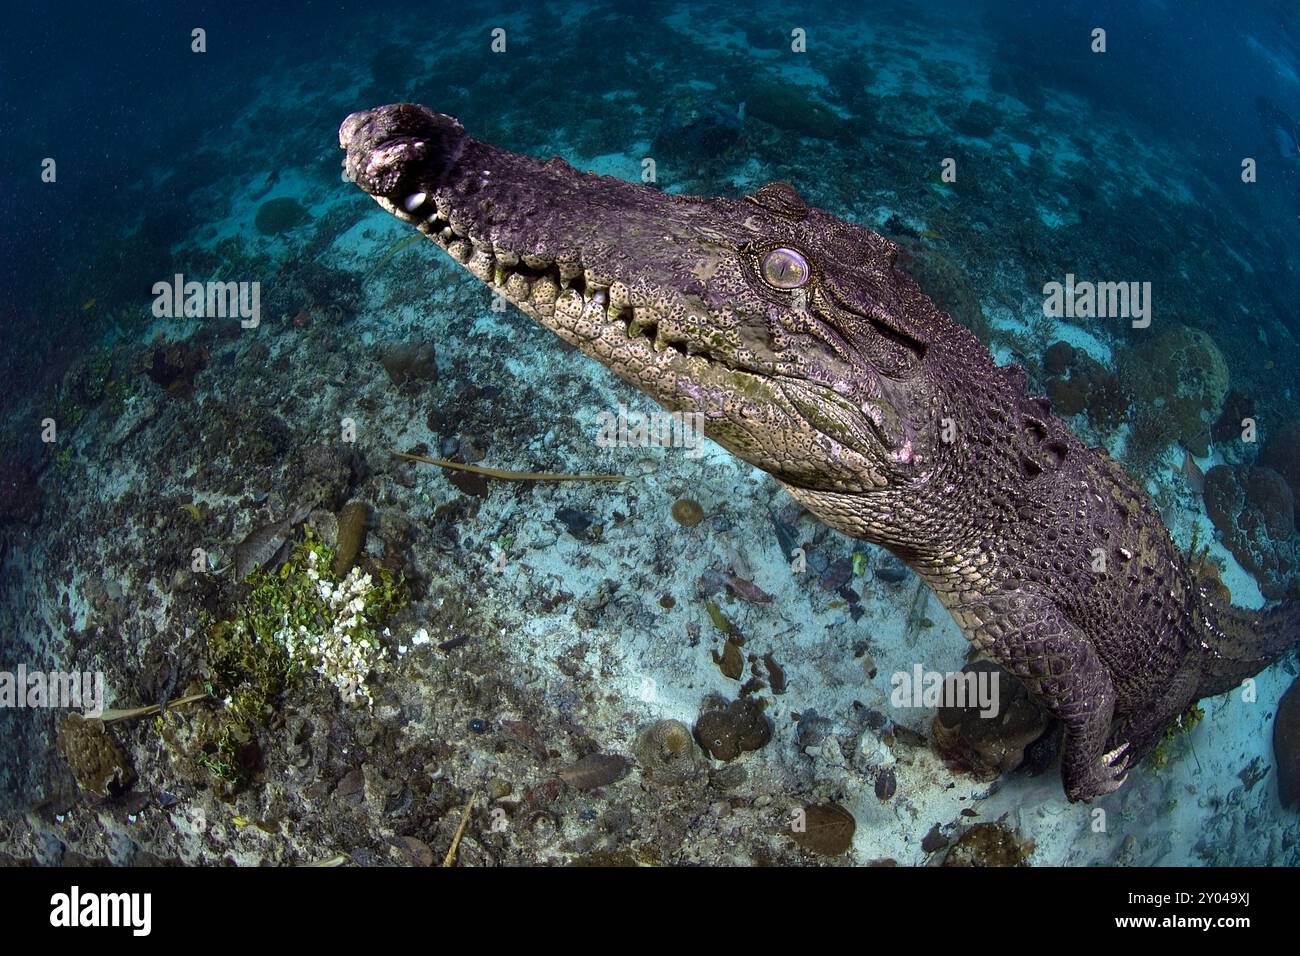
[20,495]
[409,362]
[1254,511]
[96,759]
[728,730]
[276,216]
[989,746]
[988,844]
[1282,453]
[173,365]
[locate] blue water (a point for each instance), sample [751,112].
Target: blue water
[1171,158]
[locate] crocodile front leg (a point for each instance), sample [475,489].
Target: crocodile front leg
[1031,638]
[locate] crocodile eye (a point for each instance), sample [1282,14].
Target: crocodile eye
[785,269]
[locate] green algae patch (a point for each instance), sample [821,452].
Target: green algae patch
[300,620]
[1173,733]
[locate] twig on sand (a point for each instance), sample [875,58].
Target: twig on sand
[511,475]
[112,716]
[450,858]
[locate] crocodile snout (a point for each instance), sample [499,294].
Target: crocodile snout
[400,151]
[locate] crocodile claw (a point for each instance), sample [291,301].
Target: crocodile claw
[1107,775]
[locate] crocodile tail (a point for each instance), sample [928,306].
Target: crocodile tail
[1247,642]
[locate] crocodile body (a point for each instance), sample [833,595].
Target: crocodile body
[811,356]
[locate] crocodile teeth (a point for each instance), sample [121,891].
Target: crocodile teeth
[545,291]
[517,287]
[641,320]
[480,264]
[570,303]
[620,296]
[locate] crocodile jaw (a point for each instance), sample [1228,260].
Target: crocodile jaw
[649,284]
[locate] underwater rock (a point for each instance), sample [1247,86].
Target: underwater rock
[1082,384]
[323,476]
[811,730]
[825,829]
[20,495]
[793,109]
[276,216]
[934,839]
[891,570]
[728,730]
[173,365]
[988,844]
[1286,746]
[990,746]
[595,770]
[687,513]
[697,131]
[96,759]
[1181,372]
[1282,454]
[574,521]
[409,362]
[978,120]
[1254,512]
[1227,428]
[1058,358]
[351,536]
[837,574]
[668,755]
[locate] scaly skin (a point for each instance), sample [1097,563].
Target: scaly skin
[875,410]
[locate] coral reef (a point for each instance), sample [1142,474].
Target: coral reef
[97,760]
[1182,373]
[1254,512]
[1281,452]
[668,755]
[409,362]
[989,844]
[173,365]
[20,495]
[728,730]
[276,216]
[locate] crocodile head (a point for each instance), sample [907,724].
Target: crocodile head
[788,329]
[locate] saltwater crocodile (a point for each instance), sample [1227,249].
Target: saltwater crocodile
[814,358]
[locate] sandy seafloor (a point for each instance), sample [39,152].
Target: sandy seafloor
[585,672]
